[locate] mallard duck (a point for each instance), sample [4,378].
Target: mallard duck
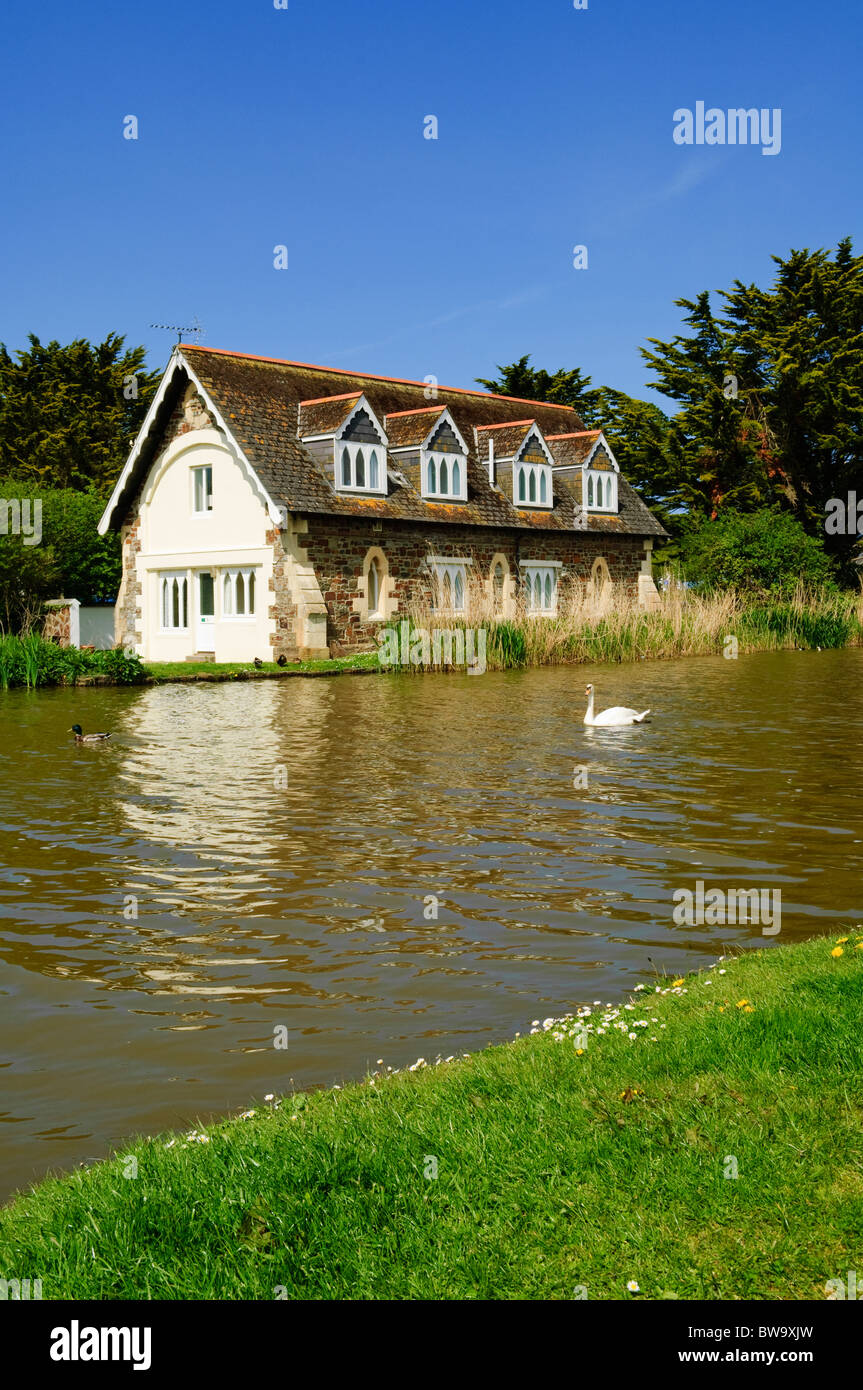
[81,737]
[617,715]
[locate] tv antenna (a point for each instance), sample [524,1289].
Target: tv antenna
[195,327]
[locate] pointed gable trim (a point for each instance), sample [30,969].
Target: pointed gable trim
[177,364]
[421,439]
[600,441]
[535,434]
[361,404]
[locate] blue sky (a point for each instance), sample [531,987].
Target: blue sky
[406,256]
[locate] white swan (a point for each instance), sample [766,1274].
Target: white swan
[618,714]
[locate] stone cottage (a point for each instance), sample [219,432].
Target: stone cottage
[273,508]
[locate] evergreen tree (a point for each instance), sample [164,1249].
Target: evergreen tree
[68,415]
[534,384]
[770,401]
[794,433]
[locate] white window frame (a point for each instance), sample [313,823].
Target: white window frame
[437,457]
[540,472]
[354,447]
[593,476]
[229,611]
[545,569]
[442,566]
[198,470]
[168,577]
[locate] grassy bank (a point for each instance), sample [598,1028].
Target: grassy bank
[561,1164]
[162,671]
[31,661]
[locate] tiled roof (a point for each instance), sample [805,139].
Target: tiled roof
[411,427]
[260,398]
[327,415]
[508,439]
[571,448]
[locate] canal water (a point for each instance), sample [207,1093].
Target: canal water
[385,867]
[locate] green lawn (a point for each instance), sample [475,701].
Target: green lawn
[231,670]
[557,1169]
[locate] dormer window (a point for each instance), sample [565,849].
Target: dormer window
[532,485]
[519,462]
[431,451]
[600,490]
[588,453]
[344,434]
[360,466]
[444,475]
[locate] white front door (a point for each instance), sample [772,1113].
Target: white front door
[206,612]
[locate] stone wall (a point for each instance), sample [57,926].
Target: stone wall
[127,619]
[61,622]
[338,546]
[282,610]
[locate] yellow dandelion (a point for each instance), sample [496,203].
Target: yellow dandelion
[843,939]
[859,946]
[722,1008]
[676,983]
[837,951]
[579,1051]
[741,1003]
[749,1009]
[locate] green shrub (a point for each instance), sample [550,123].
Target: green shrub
[125,669]
[32,661]
[762,552]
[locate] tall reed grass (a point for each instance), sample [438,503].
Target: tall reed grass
[684,623]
